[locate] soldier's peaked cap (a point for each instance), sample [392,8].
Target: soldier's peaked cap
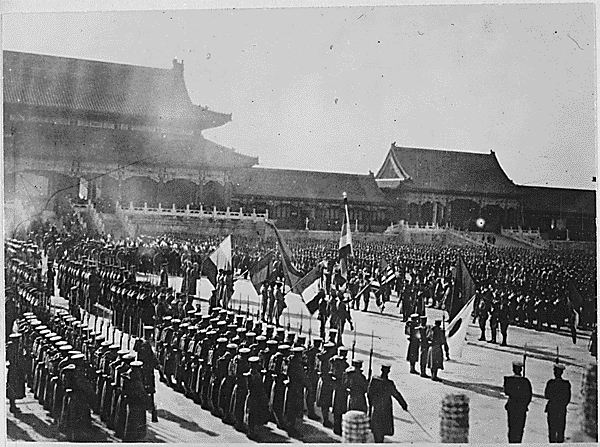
[329,345]
[254,359]
[245,351]
[284,347]
[148,328]
[357,363]
[280,330]
[168,318]
[232,346]
[65,348]
[122,352]
[518,364]
[261,338]
[559,366]
[386,366]
[129,357]
[414,316]
[105,344]
[176,321]
[251,334]
[342,350]
[271,342]
[14,336]
[77,357]
[222,340]
[136,364]
[298,349]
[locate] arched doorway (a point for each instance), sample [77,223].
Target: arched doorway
[413,213]
[492,214]
[464,213]
[140,190]
[180,192]
[214,195]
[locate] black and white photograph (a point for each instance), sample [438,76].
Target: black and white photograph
[308,223]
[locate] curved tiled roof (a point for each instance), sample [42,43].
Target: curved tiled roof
[443,170]
[558,200]
[144,93]
[306,185]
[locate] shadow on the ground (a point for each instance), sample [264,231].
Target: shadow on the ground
[532,351]
[494,391]
[14,433]
[316,435]
[184,423]
[267,436]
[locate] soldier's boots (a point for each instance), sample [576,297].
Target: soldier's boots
[154,414]
[424,372]
[326,422]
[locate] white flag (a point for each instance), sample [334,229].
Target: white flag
[221,257]
[456,332]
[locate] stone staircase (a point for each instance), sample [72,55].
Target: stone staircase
[113,226]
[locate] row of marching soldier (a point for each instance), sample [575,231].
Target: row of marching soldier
[249,374]
[70,368]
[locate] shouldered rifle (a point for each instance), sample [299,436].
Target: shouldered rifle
[354,345]
[557,355]
[524,359]
[309,334]
[371,357]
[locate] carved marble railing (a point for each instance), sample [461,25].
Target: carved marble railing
[201,213]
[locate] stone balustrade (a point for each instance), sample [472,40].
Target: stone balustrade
[202,213]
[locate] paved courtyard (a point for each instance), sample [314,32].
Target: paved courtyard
[478,374]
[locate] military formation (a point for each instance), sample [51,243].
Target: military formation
[247,370]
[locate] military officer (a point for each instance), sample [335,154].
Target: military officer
[519,392]
[558,393]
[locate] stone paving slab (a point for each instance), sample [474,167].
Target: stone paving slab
[478,374]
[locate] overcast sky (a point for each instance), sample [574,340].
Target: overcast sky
[331,88]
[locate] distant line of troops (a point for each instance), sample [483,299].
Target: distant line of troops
[249,375]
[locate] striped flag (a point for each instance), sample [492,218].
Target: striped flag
[387,272]
[220,259]
[456,332]
[345,248]
[308,280]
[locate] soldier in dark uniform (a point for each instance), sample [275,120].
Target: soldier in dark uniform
[256,408]
[146,355]
[494,320]
[482,316]
[240,389]
[519,392]
[424,345]
[313,377]
[504,320]
[15,378]
[558,393]
[323,312]
[435,360]
[227,371]
[356,385]
[412,330]
[339,365]
[325,385]
[297,383]
[380,392]
[277,369]
[136,400]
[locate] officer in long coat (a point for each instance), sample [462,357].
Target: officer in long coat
[15,378]
[313,377]
[558,393]
[146,355]
[137,403]
[519,392]
[435,360]
[277,369]
[356,384]
[325,385]
[294,399]
[425,344]
[256,411]
[380,392]
[412,330]
[339,365]
[240,389]
[227,366]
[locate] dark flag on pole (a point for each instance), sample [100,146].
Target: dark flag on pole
[262,271]
[345,248]
[291,273]
[464,289]
[307,281]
